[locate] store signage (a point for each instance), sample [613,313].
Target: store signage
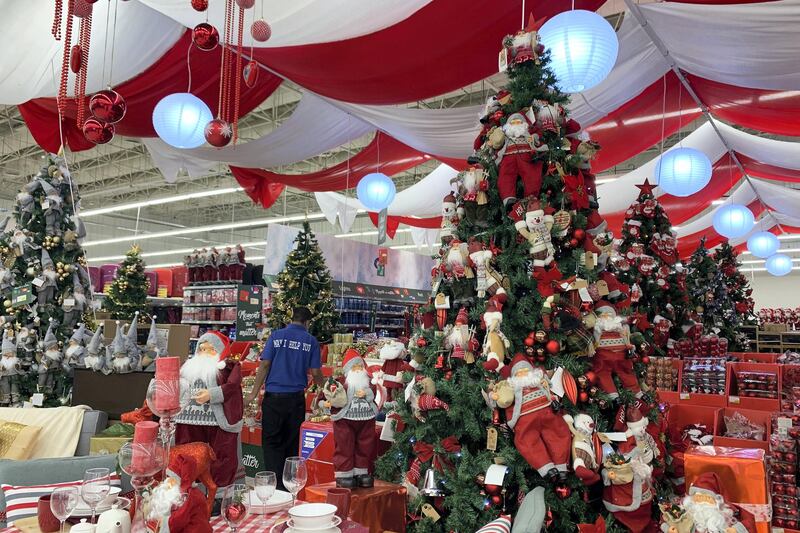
[309,440]
[248,312]
[21,295]
[252,459]
[383,217]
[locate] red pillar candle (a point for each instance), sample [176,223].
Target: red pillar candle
[144,433]
[168,368]
[167,393]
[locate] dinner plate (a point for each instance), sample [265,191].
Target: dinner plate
[283,527]
[280,500]
[84,510]
[329,528]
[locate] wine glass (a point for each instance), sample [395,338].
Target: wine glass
[294,475]
[265,488]
[235,505]
[63,502]
[95,487]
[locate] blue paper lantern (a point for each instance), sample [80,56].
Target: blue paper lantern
[779,264]
[180,120]
[376,191]
[763,244]
[683,171]
[583,49]
[733,221]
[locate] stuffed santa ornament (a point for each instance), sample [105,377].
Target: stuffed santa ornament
[587,453]
[353,410]
[706,510]
[495,343]
[390,376]
[515,160]
[214,414]
[177,499]
[612,341]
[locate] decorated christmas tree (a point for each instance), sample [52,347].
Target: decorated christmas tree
[648,263]
[738,294]
[526,355]
[128,291]
[45,286]
[306,281]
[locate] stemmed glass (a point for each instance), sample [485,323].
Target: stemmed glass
[294,475]
[265,488]
[63,502]
[235,505]
[95,487]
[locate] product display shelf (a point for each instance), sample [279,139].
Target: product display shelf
[790,340]
[209,305]
[216,322]
[209,287]
[372,315]
[151,300]
[768,341]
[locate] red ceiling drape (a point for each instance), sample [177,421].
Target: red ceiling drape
[392,223]
[166,76]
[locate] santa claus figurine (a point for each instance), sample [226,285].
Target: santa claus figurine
[541,435]
[459,272]
[495,343]
[353,410]
[214,414]
[612,342]
[706,510]
[638,436]
[628,491]
[515,159]
[450,218]
[487,278]
[390,376]
[460,339]
[535,227]
[473,187]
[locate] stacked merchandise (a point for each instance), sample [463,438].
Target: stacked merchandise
[704,375]
[783,473]
[341,342]
[662,374]
[754,384]
[209,304]
[790,317]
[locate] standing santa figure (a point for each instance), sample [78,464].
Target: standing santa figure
[612,341]
[515,160]
[535,227]
[541,435]
[390,376]
[214,414]
[707,509]
[9,370]
[460,339]
[353,409]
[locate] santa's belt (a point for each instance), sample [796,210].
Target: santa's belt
[518,149]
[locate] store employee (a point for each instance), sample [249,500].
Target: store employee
[288,356]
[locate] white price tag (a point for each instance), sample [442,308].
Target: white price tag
[46,204]
[684,396]
[38,282]
[502,61]
[37,399]
[69,301]
[584,294]
[784,425]
[495,474]
[734,400]
[27,405]
[253,301]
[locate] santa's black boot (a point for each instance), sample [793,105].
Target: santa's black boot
[365,481]
[346,482]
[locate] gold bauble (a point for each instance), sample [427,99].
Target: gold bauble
[56,239]
[7,303]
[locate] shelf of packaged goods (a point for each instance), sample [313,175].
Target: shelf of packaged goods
[209,305]
[351,310]
[388,326]
[354,325]
[216,322]
[152,300]
[390,313]
[208,287]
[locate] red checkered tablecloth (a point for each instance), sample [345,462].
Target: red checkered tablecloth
[255,523]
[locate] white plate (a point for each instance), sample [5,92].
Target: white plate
[331,530]
[84,510]
[328,528]
[280,500]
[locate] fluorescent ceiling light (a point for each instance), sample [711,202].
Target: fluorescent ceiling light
[762,261]
[202,229]
[718,202]
[782,250]
[158,201]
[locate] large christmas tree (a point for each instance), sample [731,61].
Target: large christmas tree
[128,291]
[525,354]
[647,262]
[738,294]
[306,281]
[44,282]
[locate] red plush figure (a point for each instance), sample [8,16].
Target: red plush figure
[541,435]
[639,435]
[458,339]
[390,376]
[353,411]
[628,492]
[192,515]
[612,341]
[214,415]
[515,160]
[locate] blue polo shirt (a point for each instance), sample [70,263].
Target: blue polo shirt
[293,351]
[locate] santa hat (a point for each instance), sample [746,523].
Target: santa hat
[132,330]
[495,303]
[78,334]
[634,419]
[182,469]
[47,188]
[520,362]
[95,344]
[450,199]
[8,343]
[50,340]
[461,318]
[603,306]
[118,344]
[46,261]
[572,127]
[351,358]
[219,342]
[708,484]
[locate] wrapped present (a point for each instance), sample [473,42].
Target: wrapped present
[742,471]
[106,445]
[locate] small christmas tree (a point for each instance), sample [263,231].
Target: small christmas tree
[739,297]
[710,302]
[647,263]
[306,281]
[128,291]
[44,282]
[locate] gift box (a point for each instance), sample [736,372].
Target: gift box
[754,386]
[742,471]
[180,278]
[106,445]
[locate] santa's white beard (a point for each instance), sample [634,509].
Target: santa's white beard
[603,325]
[531,379]
[53,355]
[459,336]
[91,361]
[165,497]
[454,257]
[73,351]
[200,367]
[707,518]
[357,380]
[9,363]
[122,363]
[19,239]
[50,274]
[470,181]
[515,130]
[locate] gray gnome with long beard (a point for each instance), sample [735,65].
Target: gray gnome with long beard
[94,359]
[49,360]
[75,306]
[25,201]
[53,210]
[155,346]
[117,358]
[9,371]
[131,344]
[75,352]
[46,291]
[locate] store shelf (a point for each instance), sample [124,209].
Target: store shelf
[349,310]
[390,313]
[152,300]
[388,326]
[208,287]
[209,305]
[213,322]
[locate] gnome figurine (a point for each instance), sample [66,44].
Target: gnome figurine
[75,352]
[94,360]
[117,356]
[74,307]
[46,291]
[9,370]
[131,345]
[52,207]
[49,360]
[154,348]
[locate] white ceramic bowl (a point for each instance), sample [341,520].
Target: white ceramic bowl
[312,515]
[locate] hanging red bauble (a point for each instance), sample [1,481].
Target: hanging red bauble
[246,4]
[200,5]
[108,105]
[218,133]
[583,397]
[579,234]
[82,8]
[205,36]
[591,376]
[75,58]
[234,512]
[250,74]
[497,500]
[448,375]
[97,131]
[563,492]
[573,243]
[646,359]
[421,342]
[552,346]
[261,31]
[529,341]
[493,490]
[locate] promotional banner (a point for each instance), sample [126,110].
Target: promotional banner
[352,261]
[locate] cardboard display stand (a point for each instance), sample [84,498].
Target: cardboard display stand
[177,335]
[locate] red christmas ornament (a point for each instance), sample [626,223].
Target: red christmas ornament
[261,31]
[579,234]
[448,375]
[493,490]
[82,8]
[250,74]
[97,131]
[591,376]
[573,243]
[108,105]
[205,36]
[497,500]
[549,518]
[583,397]
[200,5]
[563,492]
[75,58]
[552,347]
[421,342]
[246,4]
[529,341]
[218,133]
[646,359]
[234,512]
